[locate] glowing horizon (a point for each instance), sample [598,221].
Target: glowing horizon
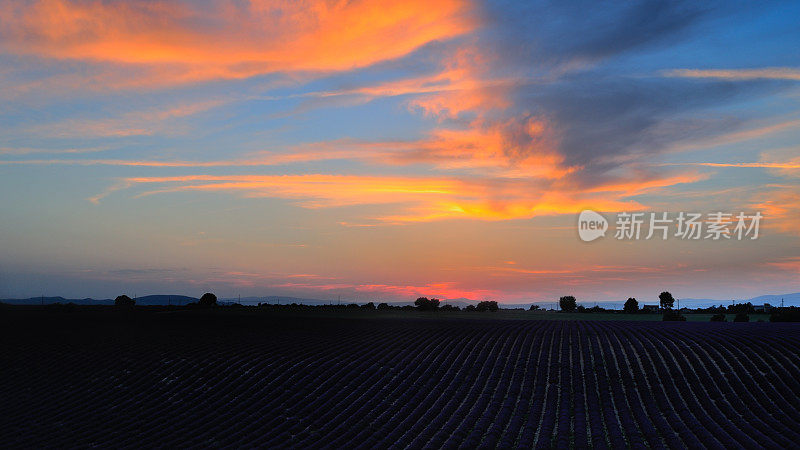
[386,151]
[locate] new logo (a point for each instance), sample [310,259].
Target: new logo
[591,225]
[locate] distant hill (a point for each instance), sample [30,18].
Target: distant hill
[775,300]
[52,300]
[148,300]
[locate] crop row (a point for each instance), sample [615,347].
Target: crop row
[406,384]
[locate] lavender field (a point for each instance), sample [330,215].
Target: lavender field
[170,379]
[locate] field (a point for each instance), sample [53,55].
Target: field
[278,379]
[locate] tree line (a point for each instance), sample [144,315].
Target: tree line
[567,304]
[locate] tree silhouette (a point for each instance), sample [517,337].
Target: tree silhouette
[533,308]
[666,300]
[208,299]
[719,317]
[425,304]
[383,306]
[567,303]
[124,300]
[487,305]
[746,308]
[631,306]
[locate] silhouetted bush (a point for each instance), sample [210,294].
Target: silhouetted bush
[741,317]
[533,308]
[207,300]
[673,316]
[567,303]
[719,318]
[746,308]
[631,306]
[382,306]
[470,308]
[369,305]
[787,314]
[450,308]
[712,310]
[124,301]
[487,305]
[425,304]
[666,300]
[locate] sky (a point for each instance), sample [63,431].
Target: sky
[381,151]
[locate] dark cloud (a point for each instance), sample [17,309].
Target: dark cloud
[565,51]
[602,121]
[599,118]
[558,33]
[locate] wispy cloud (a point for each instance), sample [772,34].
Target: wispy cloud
[786,264]
[134,123]
[32,150]
[419,199]
[754,131]
[765,73]
[758,165]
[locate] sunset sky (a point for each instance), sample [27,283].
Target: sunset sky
[381,151]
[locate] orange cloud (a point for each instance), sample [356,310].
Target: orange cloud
[447,93]
[644,183]
[523,147]
[787,264]
[516,147]
[189,42]
[314,191]
[422,198]
[781,162]
[781,209]
[520,146]
[473,88]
